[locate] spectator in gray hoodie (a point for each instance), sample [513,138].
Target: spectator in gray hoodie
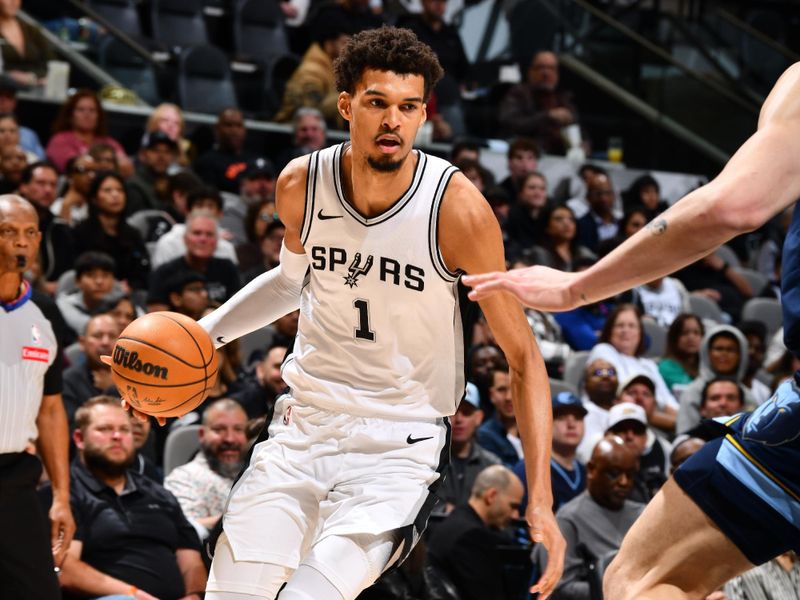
[723,352]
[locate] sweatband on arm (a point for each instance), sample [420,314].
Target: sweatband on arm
[262,301]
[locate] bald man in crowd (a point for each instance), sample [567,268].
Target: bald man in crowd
[597,520]
[464,546]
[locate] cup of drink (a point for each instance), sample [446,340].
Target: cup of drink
[57,80]
[615,149]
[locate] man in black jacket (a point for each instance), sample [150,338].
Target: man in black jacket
[464,546]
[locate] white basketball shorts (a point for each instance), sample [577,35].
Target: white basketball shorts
[322,473]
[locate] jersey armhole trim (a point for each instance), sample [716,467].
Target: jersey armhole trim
[311,191]
[433,228]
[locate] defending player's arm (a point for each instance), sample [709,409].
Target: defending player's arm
[276,292]
[470,239]
[759,181]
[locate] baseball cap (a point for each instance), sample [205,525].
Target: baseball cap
[636,378]
[567,401]
[626,411]
[259,166]
[472,395]
[151,138]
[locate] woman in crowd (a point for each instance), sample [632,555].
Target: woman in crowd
[121,307]
[256,221]
[25,50]
[107,231]
[80,124]
[168,118]
[525,225]
[644,193]
[559,246]
[622,344]
[633,220]
[681,362]
[9,135]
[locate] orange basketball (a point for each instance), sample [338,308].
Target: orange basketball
[164,364]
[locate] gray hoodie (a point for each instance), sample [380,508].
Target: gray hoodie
[689,411]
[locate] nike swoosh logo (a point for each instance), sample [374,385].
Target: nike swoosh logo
[322,217]
[220,339]
[413,440]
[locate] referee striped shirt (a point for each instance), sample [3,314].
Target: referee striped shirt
[28,369]
[769,581]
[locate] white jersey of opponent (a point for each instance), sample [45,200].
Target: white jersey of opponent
[380,330]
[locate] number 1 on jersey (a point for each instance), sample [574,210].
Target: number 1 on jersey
[363,332]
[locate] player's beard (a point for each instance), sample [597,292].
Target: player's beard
[229,470]
[385,166]
[98,463]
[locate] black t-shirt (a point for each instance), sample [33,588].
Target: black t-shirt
[132,536]
[222,169]
[222,279]
[126,248]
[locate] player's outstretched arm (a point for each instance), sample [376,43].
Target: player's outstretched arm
[759,181]
[276,292]
[470,240]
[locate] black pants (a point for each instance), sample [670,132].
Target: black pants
[26,562]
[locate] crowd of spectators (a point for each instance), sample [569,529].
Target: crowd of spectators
[171,229]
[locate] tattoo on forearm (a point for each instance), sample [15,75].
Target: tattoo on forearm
[658,226]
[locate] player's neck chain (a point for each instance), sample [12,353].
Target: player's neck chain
[573,482]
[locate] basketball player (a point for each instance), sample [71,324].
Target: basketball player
[377,236]
[736,502]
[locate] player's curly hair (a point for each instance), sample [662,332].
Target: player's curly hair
[386,49]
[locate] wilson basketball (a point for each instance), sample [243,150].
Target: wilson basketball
[164,364]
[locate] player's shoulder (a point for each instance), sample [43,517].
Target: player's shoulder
[464,207]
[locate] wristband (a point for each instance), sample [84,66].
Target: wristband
[132,591]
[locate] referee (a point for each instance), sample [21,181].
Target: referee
[30,409]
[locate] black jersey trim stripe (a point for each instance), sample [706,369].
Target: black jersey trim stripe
[433,227]
[396,206]
[311,193]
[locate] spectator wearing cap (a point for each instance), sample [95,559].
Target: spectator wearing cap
[312,83]
[309,133]
[257,186]
[567,475]
[188,294]
[595,522]
[148,187]
[223,165]
[464,546]
[600,383]
[629,421]
[499,433]
[28,138]
[171,245]
[73,206]
[467,457]
[94,278]
[200,238]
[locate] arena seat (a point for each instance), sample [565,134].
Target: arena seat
[205,83]
[178,23]
[180,446]
[258,29]
[121,13]
[766,310]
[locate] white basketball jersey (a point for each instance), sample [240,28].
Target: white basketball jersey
[380,330]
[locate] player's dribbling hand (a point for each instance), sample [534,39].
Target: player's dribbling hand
[544,530]
[542,288]
[106,359]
